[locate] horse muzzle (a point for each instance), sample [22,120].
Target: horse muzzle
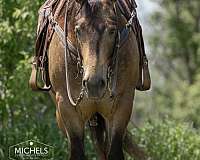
[95,87]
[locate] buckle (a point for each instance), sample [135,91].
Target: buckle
[145,60]
[42,59]
[34,61]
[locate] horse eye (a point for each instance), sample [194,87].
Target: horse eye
[112,31]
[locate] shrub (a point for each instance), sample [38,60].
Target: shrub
[169,140]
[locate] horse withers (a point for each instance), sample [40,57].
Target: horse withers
[106,52]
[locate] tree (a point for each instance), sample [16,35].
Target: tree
[174,62]
[178,22]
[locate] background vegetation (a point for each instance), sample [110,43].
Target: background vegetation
[167,116]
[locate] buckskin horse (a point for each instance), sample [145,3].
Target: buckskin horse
[94,67]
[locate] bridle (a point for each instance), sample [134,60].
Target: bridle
[70,50]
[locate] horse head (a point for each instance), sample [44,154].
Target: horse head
[96,30]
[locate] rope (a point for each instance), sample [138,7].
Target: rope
[73,103]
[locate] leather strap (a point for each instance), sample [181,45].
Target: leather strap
[33,80]
[144,82]
[126,7]
[61,35]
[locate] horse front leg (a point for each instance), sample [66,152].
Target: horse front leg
[118,125]
[69,121]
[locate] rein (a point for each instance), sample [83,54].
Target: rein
[67,52]
[113,69]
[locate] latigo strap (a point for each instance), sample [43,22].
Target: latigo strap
[128,9]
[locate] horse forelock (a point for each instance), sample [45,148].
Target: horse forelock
[93,7]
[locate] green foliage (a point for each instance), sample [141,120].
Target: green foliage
[174,63]
[24,114]
[27,115]
[17,25]
[187,103]
[169,141]
[178,44]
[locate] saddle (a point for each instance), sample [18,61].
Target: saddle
[49,11]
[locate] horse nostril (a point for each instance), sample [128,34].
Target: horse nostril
[102,83]
[84,83]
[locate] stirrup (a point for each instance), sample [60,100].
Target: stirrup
[33,83]
[144,82]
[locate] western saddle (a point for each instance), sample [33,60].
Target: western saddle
[47,25]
